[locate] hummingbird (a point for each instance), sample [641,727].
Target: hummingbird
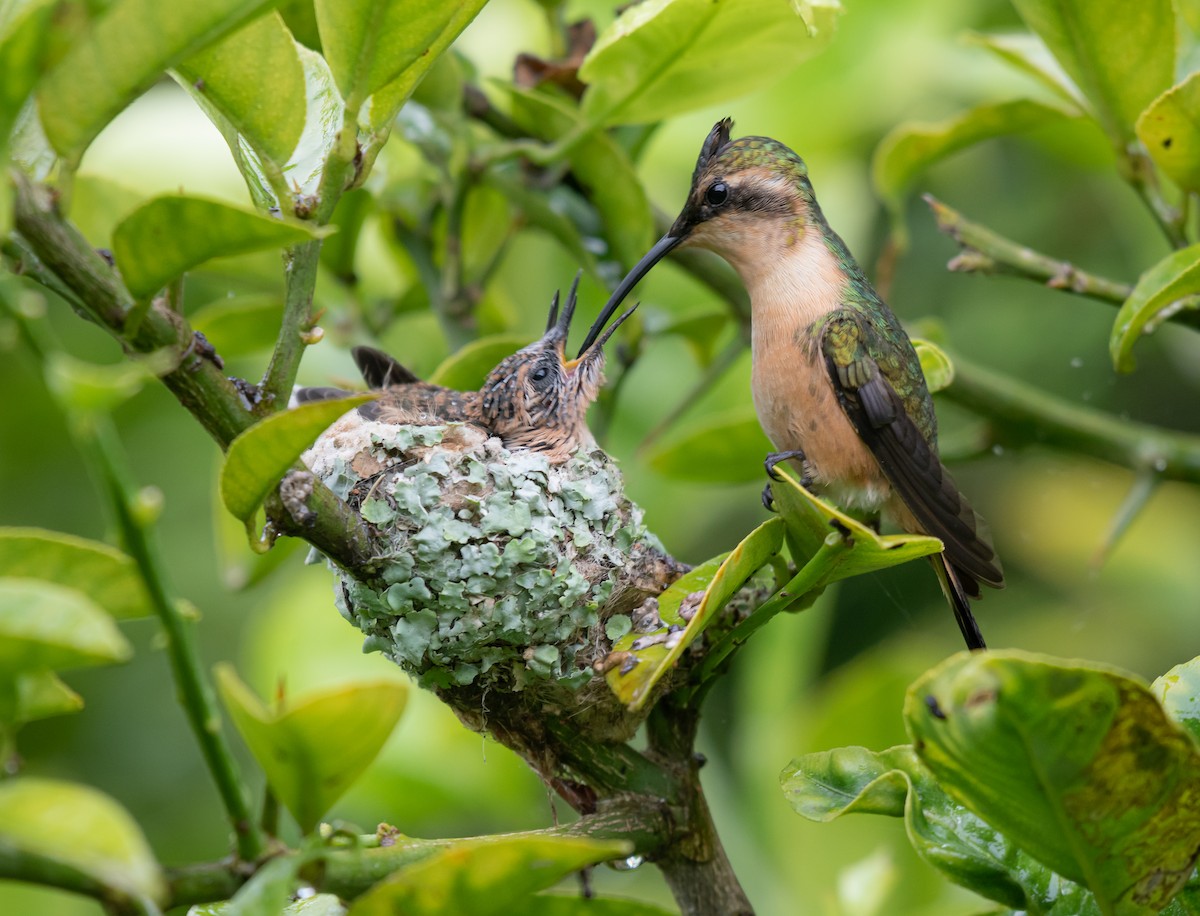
[534,399]
[837,385]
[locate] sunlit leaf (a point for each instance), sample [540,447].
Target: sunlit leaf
[45,626]
[601,165]
[634,684]
[167,236]
[466,368]
[484,876]
[1079,765]
[240,326]
[1029,54]
[810,520]
[105,842]
[260,456]
[316,746]
[913,147]
[1120,55]
[935,365]
[105,574]
[121,56]
[726,447]
[1170,129]
[964,848]
[1171,285]
[254,78]
[40,695]
[1179,692]
[24,27]
[371,43]
[663,57]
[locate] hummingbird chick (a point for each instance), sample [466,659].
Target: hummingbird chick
[535,399]
[836,382]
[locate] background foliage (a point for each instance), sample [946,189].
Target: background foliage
[833,676]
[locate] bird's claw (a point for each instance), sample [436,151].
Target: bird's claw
[768,500]
[777,457]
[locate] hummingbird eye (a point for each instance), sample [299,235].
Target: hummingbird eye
[539,373]
[717,194]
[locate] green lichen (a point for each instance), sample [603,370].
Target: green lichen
[493,565]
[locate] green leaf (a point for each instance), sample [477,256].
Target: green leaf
[260,456]
[121,55]
[316,905]
[167,236]
[964,848]
[663,57]
[701,332]
[550,212]
[1029,54]
[241,326]
[105,842]
[314,748]
[1170,129]
[483,876]
[573,905]
[24,28]
[1120,55]
[467,367]
[810,521]
[911,148]
[634,684]
[45,626]
[242,567]
[93,388]
[106,575]
[40,695]
[373,43]
[1078,765]
[1171,285]
[1179,692]
[935,365]
[255,80]
[600,164]
[726,447]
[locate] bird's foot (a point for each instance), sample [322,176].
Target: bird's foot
[795,454]
[768,500]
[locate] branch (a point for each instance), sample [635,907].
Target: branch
[295,332]
[984,251]
[1028,415]
[196,379]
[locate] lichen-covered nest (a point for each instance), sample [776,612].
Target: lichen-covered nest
[494,568]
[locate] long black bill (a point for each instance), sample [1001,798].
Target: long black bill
[640,269]
[558,323]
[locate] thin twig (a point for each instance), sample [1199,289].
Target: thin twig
[298,322]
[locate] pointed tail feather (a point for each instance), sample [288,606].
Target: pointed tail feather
[956,594]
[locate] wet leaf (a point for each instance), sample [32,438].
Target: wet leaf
[936,365]
[106,575]
[315,747]
[255,80]
[1179,692]
[1029,54]
[467,367]
[726,447]
[120,56]
[167,236]
[1079,765]
[1120,55]
[810,520]
[372,43]
[1171,285]
[635,685]
[241,326]
[912,147]
[105,842]
[664,57]
[1170,129]
[260,456]
[484,876]
[50,627]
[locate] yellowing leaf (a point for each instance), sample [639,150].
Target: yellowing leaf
[1170,129]
[935,365]
[260,456]
[315,747]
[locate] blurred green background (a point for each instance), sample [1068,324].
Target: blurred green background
[832,676]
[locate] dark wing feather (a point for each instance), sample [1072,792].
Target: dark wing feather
[379,370]
[908,461]
[304,395]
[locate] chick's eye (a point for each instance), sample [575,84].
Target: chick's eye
[717,194]
[539,373]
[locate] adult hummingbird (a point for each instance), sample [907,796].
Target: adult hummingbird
[535,399]
[837,384]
